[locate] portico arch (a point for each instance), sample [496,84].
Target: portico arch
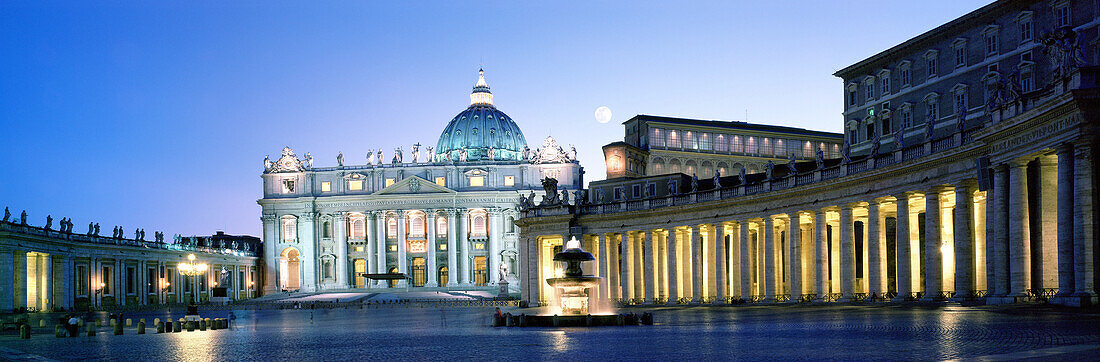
[289,269]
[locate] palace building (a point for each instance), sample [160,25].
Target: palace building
[442,218]
[967,173]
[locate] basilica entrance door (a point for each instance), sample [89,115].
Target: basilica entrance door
[392,282]
[289,265]
[420,272]
[481,268]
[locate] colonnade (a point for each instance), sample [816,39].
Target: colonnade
[1027,236]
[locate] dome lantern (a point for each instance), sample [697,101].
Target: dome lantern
[481,132]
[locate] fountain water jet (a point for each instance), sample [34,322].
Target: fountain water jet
[573,286]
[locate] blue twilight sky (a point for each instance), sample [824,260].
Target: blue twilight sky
[159,114]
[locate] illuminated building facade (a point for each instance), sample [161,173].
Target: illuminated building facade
[444,218]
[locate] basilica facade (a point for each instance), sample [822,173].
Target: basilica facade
[967,173]
[440,218]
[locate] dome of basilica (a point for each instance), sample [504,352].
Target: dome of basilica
[481,131]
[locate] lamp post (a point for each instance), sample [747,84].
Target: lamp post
[192,269]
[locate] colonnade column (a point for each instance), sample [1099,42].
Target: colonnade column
[1066,286]
[720,262]
[627,275]
[1083,247]
[933,257]
[696,238]
[769,259]
[746,273]
[822,257]
[650,266]
[602,259]
[876,251]
[847,255]
[1000,255]
[452,251]
[432,271]
[904,257]
[673,271]
[964,241]
[1019,230]
[734,260]
[796,255]
[7,280]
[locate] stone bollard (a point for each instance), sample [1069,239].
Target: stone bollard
[177,326]
[523,320]
[588,320]
[555,320]
[91,330]
[129,322]
[60,331]
[202,324]
[141,320]
[118,329]
[160,326]
[191,326]
[508,320]
[41,322]
[141,327]
[25,331]
[214,324]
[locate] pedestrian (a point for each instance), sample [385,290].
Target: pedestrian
[72,325]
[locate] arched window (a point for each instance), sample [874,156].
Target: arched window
[391,228]
[290,228]
[358,229]
[511,222]
[477,225]
[326,229]
[416,226]
[441,225]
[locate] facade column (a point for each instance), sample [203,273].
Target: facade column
[904,255]
[933,257]
[402,246]
[20,289]
[746,272]
[720,259]
[1084,266]
[1045,262]
[271,261]
[370,240]
[1019,230]
[308,260]
[339,224]
[847,255]
[965,283]
[673,271]
[602,259]
[614,266]
[795,235]
[496,230]
[876,251]
[7,280]
[649,266]
[769,259]
[1066,274]
[627,269]
[696,264]
[452,251]
[433,270]
[380,242]
[464,244]
[822,258]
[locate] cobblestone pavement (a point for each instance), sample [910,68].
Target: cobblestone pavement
[722,333]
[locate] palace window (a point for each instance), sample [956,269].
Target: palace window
[356,185]
[960,101]
[477,181]
[852,96]
[904,76]
[441,226]
[151,280]
[869,87]
[477,225]
[1061,14]
[82,280]
[932,66]
[673,139]
[131,280]
[416,226]
[657,137]
[509,180]
[441,181]
[991,44]
[933,109]
[326,186]
[720,143]
[391,228]
[870,130]
[885,84]
[171,287]
[326,229]
[1025,29]
[1027,81]
[735,144]
[960,57]
[390,181]
[107,280]
[766,146]
[636,190]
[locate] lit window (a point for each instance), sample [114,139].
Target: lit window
[477,181]
[509,180]
[393,247]
[441,181]
[479,246]
[356,185]
[390,181]
[326,186]
[359,249]
[442,247]
[288,186]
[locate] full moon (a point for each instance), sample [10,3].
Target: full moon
[603,114]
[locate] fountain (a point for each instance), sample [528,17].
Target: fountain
[572,298]
[573,287]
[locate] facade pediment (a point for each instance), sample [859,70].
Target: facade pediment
[414,185]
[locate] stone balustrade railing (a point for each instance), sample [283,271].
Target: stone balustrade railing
[103,240]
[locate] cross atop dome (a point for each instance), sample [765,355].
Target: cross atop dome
[481,94]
